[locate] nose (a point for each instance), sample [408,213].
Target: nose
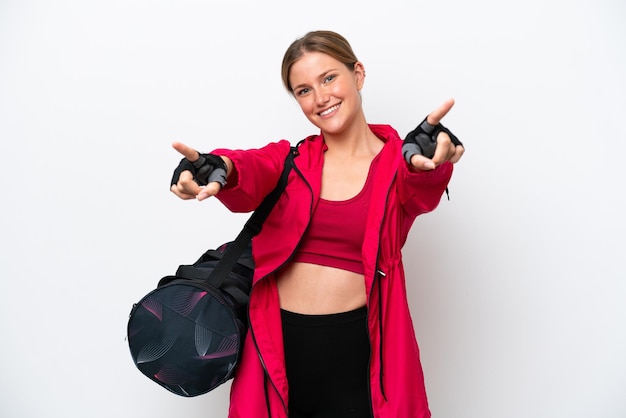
[321,96]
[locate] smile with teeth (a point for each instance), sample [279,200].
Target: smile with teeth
[329,110]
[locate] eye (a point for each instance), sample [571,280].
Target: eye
[329,78]
[302,92]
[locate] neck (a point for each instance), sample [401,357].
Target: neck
[358,140]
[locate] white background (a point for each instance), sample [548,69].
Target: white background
[517,284]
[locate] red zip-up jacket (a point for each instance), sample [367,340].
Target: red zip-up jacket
[399,195]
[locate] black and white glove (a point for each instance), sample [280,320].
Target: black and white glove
[206,169]
[423,140]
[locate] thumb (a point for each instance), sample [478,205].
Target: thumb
[422,163]
[187,152]
[209,190]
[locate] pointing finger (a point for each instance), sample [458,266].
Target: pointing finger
[436,115]
[188,152]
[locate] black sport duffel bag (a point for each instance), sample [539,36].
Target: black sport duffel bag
[186,335]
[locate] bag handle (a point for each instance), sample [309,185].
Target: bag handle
[252,227]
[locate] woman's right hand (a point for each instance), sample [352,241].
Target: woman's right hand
[186,187]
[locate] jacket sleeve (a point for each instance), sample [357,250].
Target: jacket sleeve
[421,191]
[255,174]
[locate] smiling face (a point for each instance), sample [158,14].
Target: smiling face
[327,91]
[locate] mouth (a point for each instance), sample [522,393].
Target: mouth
[329,110]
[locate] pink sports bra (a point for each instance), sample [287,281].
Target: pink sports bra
[335,235]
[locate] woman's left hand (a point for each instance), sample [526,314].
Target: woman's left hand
[446,149]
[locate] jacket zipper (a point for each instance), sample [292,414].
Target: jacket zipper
[377,280]
[381,274]
[266,375]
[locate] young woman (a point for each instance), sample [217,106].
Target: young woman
[330,330]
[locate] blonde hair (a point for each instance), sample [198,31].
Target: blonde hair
[327,42]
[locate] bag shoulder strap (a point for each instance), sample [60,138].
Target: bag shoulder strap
[252,227]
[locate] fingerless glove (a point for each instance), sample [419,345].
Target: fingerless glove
[423,140]
[206,169]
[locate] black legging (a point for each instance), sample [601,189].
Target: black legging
[327,359]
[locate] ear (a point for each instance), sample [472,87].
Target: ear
[359,73]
